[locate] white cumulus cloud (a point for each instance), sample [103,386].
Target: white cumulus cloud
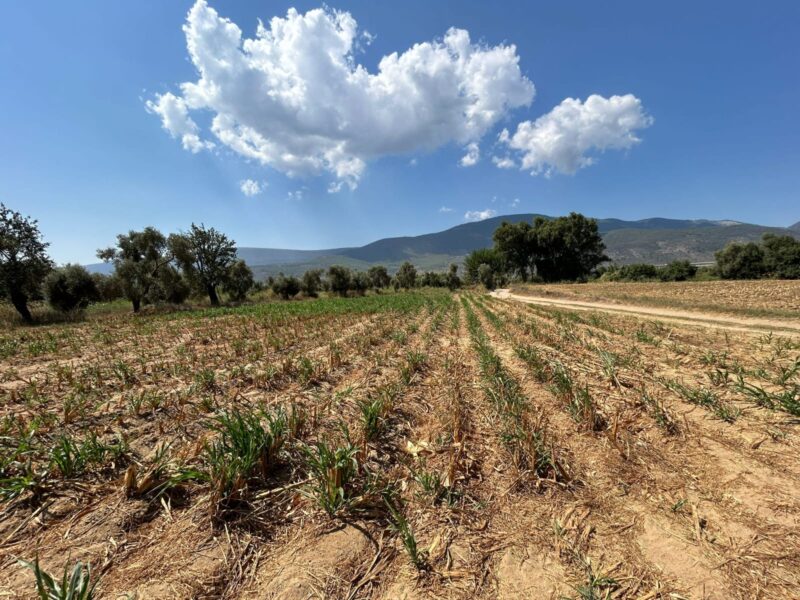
[294,97]
[480,215]
[563,139]
[176,120]
[504,162]
[251,187]
[472,156]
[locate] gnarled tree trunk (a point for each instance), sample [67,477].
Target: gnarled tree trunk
[20,302]
[212,295]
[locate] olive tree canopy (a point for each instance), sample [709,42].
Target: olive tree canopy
[23,260]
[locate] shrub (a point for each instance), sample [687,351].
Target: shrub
[170,286]
[70,287]
[782,256]
[741,261]
[238,281]
[484,256]
[108,286]
[677,270]
[286,287]
[637,272]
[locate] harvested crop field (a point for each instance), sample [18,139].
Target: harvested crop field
[412,445]
[778,298]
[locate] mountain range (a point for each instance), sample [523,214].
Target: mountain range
[655,240]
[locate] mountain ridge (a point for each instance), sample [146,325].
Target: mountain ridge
[655,240]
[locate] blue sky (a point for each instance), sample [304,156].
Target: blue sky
[715,86]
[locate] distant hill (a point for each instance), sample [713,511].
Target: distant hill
[653,240]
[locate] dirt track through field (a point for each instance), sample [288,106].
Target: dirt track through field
[676,316]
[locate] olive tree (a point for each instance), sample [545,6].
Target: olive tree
[311,282]
[70,287]
[379,277]
[238,281]
[406,276]
[286,287]
[339,279]
[23,260]
[204,255]
[139,258]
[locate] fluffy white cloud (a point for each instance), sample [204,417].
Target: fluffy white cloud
[295,98]
[472,156]
[175,119]
[562,140]
[480,215]
[251,187]
[504,162]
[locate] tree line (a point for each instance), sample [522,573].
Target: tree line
[563,249]
[153,268]
[149,267]
[343,281]
[774,257]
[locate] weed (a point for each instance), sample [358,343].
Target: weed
[399,524]
[74,585]
[332,471]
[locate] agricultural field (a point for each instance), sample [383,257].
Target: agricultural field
[401,446]
[765,297]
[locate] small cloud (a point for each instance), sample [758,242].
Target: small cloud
[295,195]
[473,155]
[503,162]
[413,162]
[480,215]
[251,187]
[445,209]
[335,187]
[515,203]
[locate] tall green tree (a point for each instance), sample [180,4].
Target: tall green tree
[741,261]
[23,260]
[483,256]
[517,243]
[138,259]
[204,255]
[406,276]
[568,248]
[781,256]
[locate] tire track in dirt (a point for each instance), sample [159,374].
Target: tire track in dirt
[685,317]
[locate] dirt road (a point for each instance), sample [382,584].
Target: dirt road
[719,321]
